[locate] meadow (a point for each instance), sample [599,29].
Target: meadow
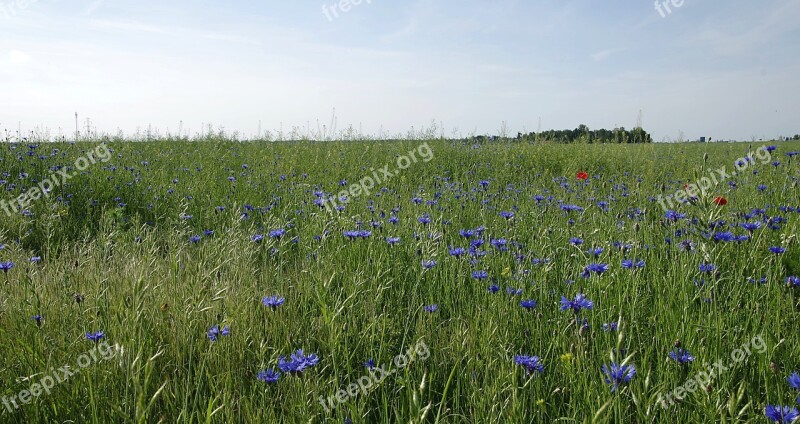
[501,282]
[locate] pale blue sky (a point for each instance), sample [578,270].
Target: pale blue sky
[725,69]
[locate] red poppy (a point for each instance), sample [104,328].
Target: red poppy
[582,176]
[720,201]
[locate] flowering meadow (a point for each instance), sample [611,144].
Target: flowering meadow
[545,282]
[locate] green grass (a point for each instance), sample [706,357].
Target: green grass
[155,294]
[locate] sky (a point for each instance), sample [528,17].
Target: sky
[720,69]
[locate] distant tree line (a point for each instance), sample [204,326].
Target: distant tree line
[582,134]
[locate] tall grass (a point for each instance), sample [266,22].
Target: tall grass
[118,240]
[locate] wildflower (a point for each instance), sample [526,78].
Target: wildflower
[431,308]
[6,266]
[194,239]
[258,238]
[392,240]
[507,215]
[618,374]
[575,241]
[632,264]
[528,304]
[530,363]
[273,301]
[720,201]
[458,251]
[707,268]
[580,302]
[794,382]
[595,252]
[493,288]
[674,216]
[95,337]
[428,264]
[480,275]
[38,319]
[582,176]
[777,250]
[598,269]
[298,363]
[369,364]
[681,356]
[269,376]
[277,233]
[611,326]
[781,414]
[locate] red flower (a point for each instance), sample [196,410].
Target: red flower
[720,201]
[582,176]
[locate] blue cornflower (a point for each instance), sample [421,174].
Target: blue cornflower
[258,238]
[298,363]
[507,215]
[431,308]
[707,268]
[428,264]
[466,233]
[208,233]
[576,241]
[95,337]
[214,332]
[674,216]
[424,219]
[726,236]
[38,319]
[499,244]
[194,239]
[494,288]
[781,414]
[595,252]
[794,381]
[457,251]
[580,302]
[598,269]
[277,233]
[6,266]
[392,240]
[269,376]
[618,374]
[681,356]
[632,264]
[611,326]
[530,363]
[513,292]
[273,301]
[528,304]
[480,275]
[369,364]
[36,259]
[777,250]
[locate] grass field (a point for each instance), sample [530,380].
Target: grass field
[208,265]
